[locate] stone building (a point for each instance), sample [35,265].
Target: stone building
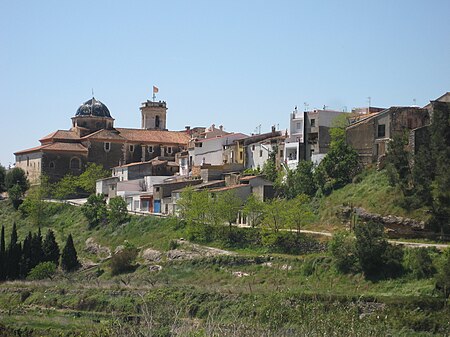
[369,136]
[94,139]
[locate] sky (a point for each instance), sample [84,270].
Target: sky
[236,63]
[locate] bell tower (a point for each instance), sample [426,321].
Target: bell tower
[153,115]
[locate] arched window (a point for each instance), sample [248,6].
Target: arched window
[51,165]
[157,121]
[75,163]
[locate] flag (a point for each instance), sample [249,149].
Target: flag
[155,90]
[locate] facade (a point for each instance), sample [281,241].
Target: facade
[309,136]
[94,139]
[369,136]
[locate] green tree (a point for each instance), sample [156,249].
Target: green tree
[338,168]
[443,273]
[66,187]
[26,259]
[270,166]
[193,205]
[229,205]
[253,210]
[419,263]
[50,248]
[16,176]
[15,195]
[118,212]
[399,158]
[440,146]
[2,255]
[275,214]
[298,213]
[69,258]
[42,271]
[370,248]
[2,179]
[342,248]
[37,253]
[88,178]
[299,181]
[14,254]
[95,210]
[34,205]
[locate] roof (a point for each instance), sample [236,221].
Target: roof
[235,136]
[154,136]
[60,135]
[246,178]
[227,188]
[105,134]
[94,108]
[56,147]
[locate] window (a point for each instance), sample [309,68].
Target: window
[381,132]
[75,163]
[28,161]
[253,147]
[156,189]
[260,153]
[157,122]
[169,149]
[150,149]
[281,153]
[313,122]
[107,146]
[131,147]
[299,125]
[51,165]
[241,155]
[198,144]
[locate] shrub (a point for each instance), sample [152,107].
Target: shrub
[42,271]
[118,213]
[122,261]
[343,250]
[95,210]
[418,263]
[443,273]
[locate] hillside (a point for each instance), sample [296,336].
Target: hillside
[180,289]
[370,191]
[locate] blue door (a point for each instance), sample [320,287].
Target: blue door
[157,206]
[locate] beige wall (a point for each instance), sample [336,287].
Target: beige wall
[31,163]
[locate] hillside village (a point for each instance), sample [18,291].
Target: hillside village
[151,165]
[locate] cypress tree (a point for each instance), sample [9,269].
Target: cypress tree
[37,254]
[69,259]
[51,248]
[2,255]
[14,255]
[25,265]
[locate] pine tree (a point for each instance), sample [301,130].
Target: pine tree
[69,259]
[37,254]
[25,265]
[2,255]
[51,248]
[13,256]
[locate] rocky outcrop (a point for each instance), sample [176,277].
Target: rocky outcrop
[396,225]
[96,249]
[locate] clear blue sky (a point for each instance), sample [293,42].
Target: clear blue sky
[236,63]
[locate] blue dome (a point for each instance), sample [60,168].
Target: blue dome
[93,108]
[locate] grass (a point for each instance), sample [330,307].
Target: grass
[373,193]
[276,295]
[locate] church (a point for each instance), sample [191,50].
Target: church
[93,138]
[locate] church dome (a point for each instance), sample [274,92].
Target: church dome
[93,108]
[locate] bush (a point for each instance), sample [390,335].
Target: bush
[418,263]
[42,271]
[443,273]
[118,212]
[122,261]
[290,243]
[343,250]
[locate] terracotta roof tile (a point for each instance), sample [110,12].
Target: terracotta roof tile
[60,135]
[226,188]
[105,135]
[57,147]
[154,136]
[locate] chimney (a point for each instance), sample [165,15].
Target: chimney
[187,127]
[273,128]
[221,127]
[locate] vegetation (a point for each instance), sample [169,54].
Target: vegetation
[42,271]
[69,258]
[118,213]
[123,260]
[95,210]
